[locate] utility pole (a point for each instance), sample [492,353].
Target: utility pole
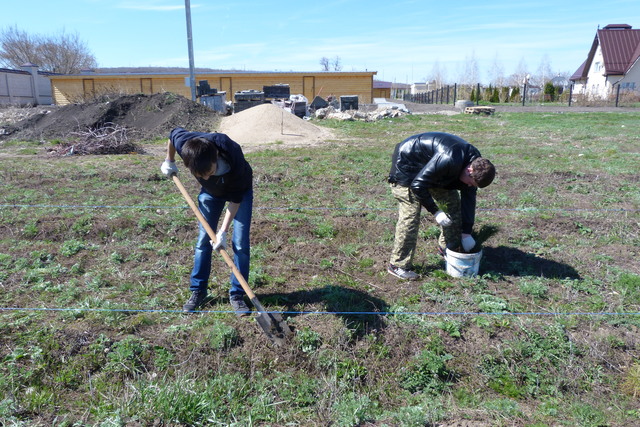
[192,74]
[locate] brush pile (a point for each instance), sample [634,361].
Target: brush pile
[108,139]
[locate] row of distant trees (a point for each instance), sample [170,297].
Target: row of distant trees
[59,53]
[469,74]
[512,93]
[327,64]
[492,94]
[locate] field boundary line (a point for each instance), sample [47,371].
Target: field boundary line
[360,313]
[324,208]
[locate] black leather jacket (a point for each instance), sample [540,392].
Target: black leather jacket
[435,160]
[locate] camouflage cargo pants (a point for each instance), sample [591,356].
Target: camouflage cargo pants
[406,238]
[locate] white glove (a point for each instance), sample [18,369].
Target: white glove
[443,219]
[221,243]
[468,243]
[169,168]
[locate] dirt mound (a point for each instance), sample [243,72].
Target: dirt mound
[268,123]
[143,116]
[147,117]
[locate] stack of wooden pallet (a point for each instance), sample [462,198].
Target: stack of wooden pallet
[479,110]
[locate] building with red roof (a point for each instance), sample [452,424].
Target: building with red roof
[612,62]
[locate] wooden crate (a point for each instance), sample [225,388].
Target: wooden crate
[479,110]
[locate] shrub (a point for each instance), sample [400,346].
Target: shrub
[631,383]
[549,92]
[223,336]
[72,247]
[308,340]
[128,356]
[495,96]
[429,373]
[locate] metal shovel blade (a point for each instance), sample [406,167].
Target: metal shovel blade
[276,329]
[272,324]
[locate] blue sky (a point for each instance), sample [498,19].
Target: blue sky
[402,41]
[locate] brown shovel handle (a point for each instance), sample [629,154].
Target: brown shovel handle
[212,235]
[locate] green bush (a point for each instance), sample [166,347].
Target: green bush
[628,284]
[495,96]
[308,340]
[428,373]
[549,92]
[533,365]
[72,247]
[223,336]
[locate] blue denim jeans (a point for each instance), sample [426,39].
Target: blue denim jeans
[211,208]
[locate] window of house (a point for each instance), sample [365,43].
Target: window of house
[597,66]
[628,86]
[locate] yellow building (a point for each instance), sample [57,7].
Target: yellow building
[78,87]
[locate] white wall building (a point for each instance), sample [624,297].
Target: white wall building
[612,61]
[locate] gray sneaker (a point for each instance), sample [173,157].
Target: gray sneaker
[239,306]
[196,300]
[402,273]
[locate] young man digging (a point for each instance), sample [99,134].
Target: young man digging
[219,165]
[435,169]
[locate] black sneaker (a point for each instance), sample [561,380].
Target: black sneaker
[239,306]
[196,300]
[402,273]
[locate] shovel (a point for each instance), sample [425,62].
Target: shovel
[272,323]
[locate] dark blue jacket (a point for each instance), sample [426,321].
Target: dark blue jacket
[436,160]
[230,186]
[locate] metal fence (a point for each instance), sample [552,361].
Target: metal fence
[478,94]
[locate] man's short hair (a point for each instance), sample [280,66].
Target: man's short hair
[483,171]
[199,155]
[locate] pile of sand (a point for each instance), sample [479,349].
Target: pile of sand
[270,124]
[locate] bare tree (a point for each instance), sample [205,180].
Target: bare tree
[17,48]
[336,64]
[544,73]
[496,73]
[62,53]
[325,64]
[438,75]
[471,73]
[517,78]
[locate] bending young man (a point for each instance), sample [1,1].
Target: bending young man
[441,172]
[226,177]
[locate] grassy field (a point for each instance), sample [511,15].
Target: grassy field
[95,254]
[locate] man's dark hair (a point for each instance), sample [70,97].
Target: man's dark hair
[483,171]
[199,155]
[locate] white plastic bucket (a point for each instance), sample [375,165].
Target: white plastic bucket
[462,265]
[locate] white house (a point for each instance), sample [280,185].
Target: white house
[419,87]
[614,60]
